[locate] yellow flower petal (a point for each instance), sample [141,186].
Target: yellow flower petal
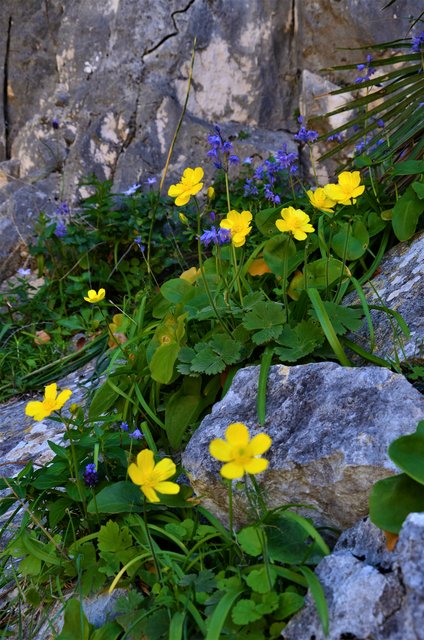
[237,434]
[50,392]
[220,450]
[164,469]
[169,488]
[146,461]
[256,465]
[36,410]
[258,267]
[232,471]
[181,200]
[137,475]
[175,190]
[259,444]
[62,398]
[150,494]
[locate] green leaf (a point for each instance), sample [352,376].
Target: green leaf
[393,499]
[299,341]
[418,187]
[351,241]
[177,290]
[406,213]
[119,497]
[217,620]
[215,355]
[290,603]
[277,251]
[250,541]
[408,168]
[342,318]
[407,452]
[327,327]
[286,540]
[113,538]
[76,625]
[269,603]
[245,612]
[180,411]
[109,631]
[318,595]
[204,581]
[162,363]
[323,272]
[265,221]
[261,580]
[269,317]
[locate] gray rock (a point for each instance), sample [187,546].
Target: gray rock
[331,427]
[399,285]
[366,599]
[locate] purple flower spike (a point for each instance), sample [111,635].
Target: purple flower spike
[90,475]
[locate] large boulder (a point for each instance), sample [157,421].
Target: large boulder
[330,426]
[370,592]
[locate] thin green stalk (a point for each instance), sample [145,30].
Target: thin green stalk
[150,542]
[227,191]
[236,273]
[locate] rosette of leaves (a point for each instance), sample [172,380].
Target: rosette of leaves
[393,498]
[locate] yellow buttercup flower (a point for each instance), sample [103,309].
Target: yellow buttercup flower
[189,185]
[153,477]
[347,189]
[296,222]
[190,275]
[95,296]
[239,452]
[239,226]
[52,402]
[320,200]
[210,193]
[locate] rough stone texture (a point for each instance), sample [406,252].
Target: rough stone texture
[330,427]
[376,595]
[114,75]
[399,285]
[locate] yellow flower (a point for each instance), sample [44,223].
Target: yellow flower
[347,189]
[320,200]
[94,296]
[190,275]
[296,222]
[189,185]
[239,226]
[52,402]
[152,477]
[258,267]
[210,193]
[239,452]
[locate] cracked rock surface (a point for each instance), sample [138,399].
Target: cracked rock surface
[330,428]
[113,75]
[376,595]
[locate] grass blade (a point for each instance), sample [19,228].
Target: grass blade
[327,327]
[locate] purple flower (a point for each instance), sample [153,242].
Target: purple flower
[212,216]
[55,123]
[24,272]
[212,236]
[250,189]
[365,66]
[417,43]
[90,475]
[233,159]
[338,137]
[139,243]
[248,160]
[151,181]
[124,426]
[61,229]
[285,159]
[136,434]
[131,190]
[306,135]
[227,146]
[214,141]
[270,195]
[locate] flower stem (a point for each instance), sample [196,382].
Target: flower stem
[150,543]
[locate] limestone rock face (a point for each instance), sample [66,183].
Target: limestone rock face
[399,285]
[371,595]
[330,427]
[112,78]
